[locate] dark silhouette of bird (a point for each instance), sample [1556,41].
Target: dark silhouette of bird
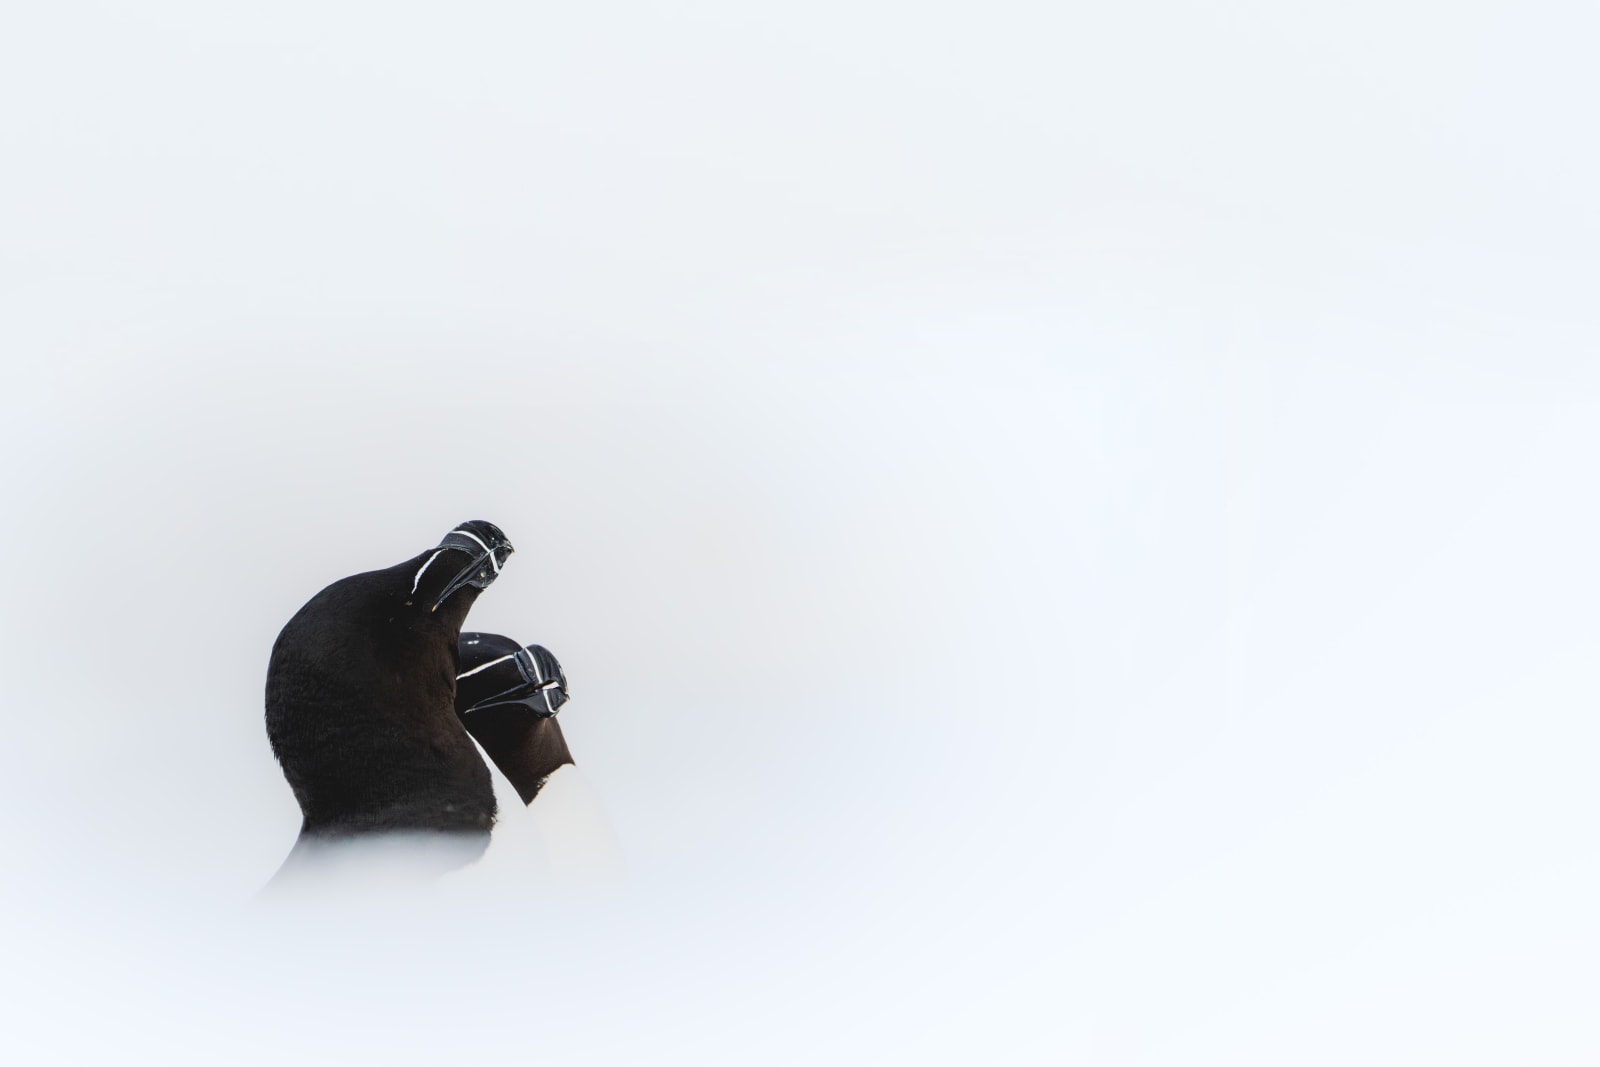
[361,703]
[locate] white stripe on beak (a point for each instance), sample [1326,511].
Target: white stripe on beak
[468,533]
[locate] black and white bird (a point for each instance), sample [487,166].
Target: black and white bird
[377,704]
[361,704]
[508,696]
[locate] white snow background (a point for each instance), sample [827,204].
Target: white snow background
[1072,528]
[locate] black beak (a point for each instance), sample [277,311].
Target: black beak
[487,550]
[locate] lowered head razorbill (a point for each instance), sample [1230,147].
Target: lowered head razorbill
[507,696]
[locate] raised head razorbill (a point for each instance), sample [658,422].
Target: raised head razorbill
[361,699]
[508,696]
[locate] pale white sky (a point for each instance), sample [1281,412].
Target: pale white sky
[1069,528]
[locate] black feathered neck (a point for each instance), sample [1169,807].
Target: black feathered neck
[361,708]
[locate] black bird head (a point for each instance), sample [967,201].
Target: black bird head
[473,554]
[508,696]
[496,672]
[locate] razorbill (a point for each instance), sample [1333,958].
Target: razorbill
[361,708]
[507,696]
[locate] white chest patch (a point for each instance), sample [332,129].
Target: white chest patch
[563,840]
[577,834]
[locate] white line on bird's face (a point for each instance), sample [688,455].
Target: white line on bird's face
[421,571]
[484,666]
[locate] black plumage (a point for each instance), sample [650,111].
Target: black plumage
[508,696]
[360,701]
